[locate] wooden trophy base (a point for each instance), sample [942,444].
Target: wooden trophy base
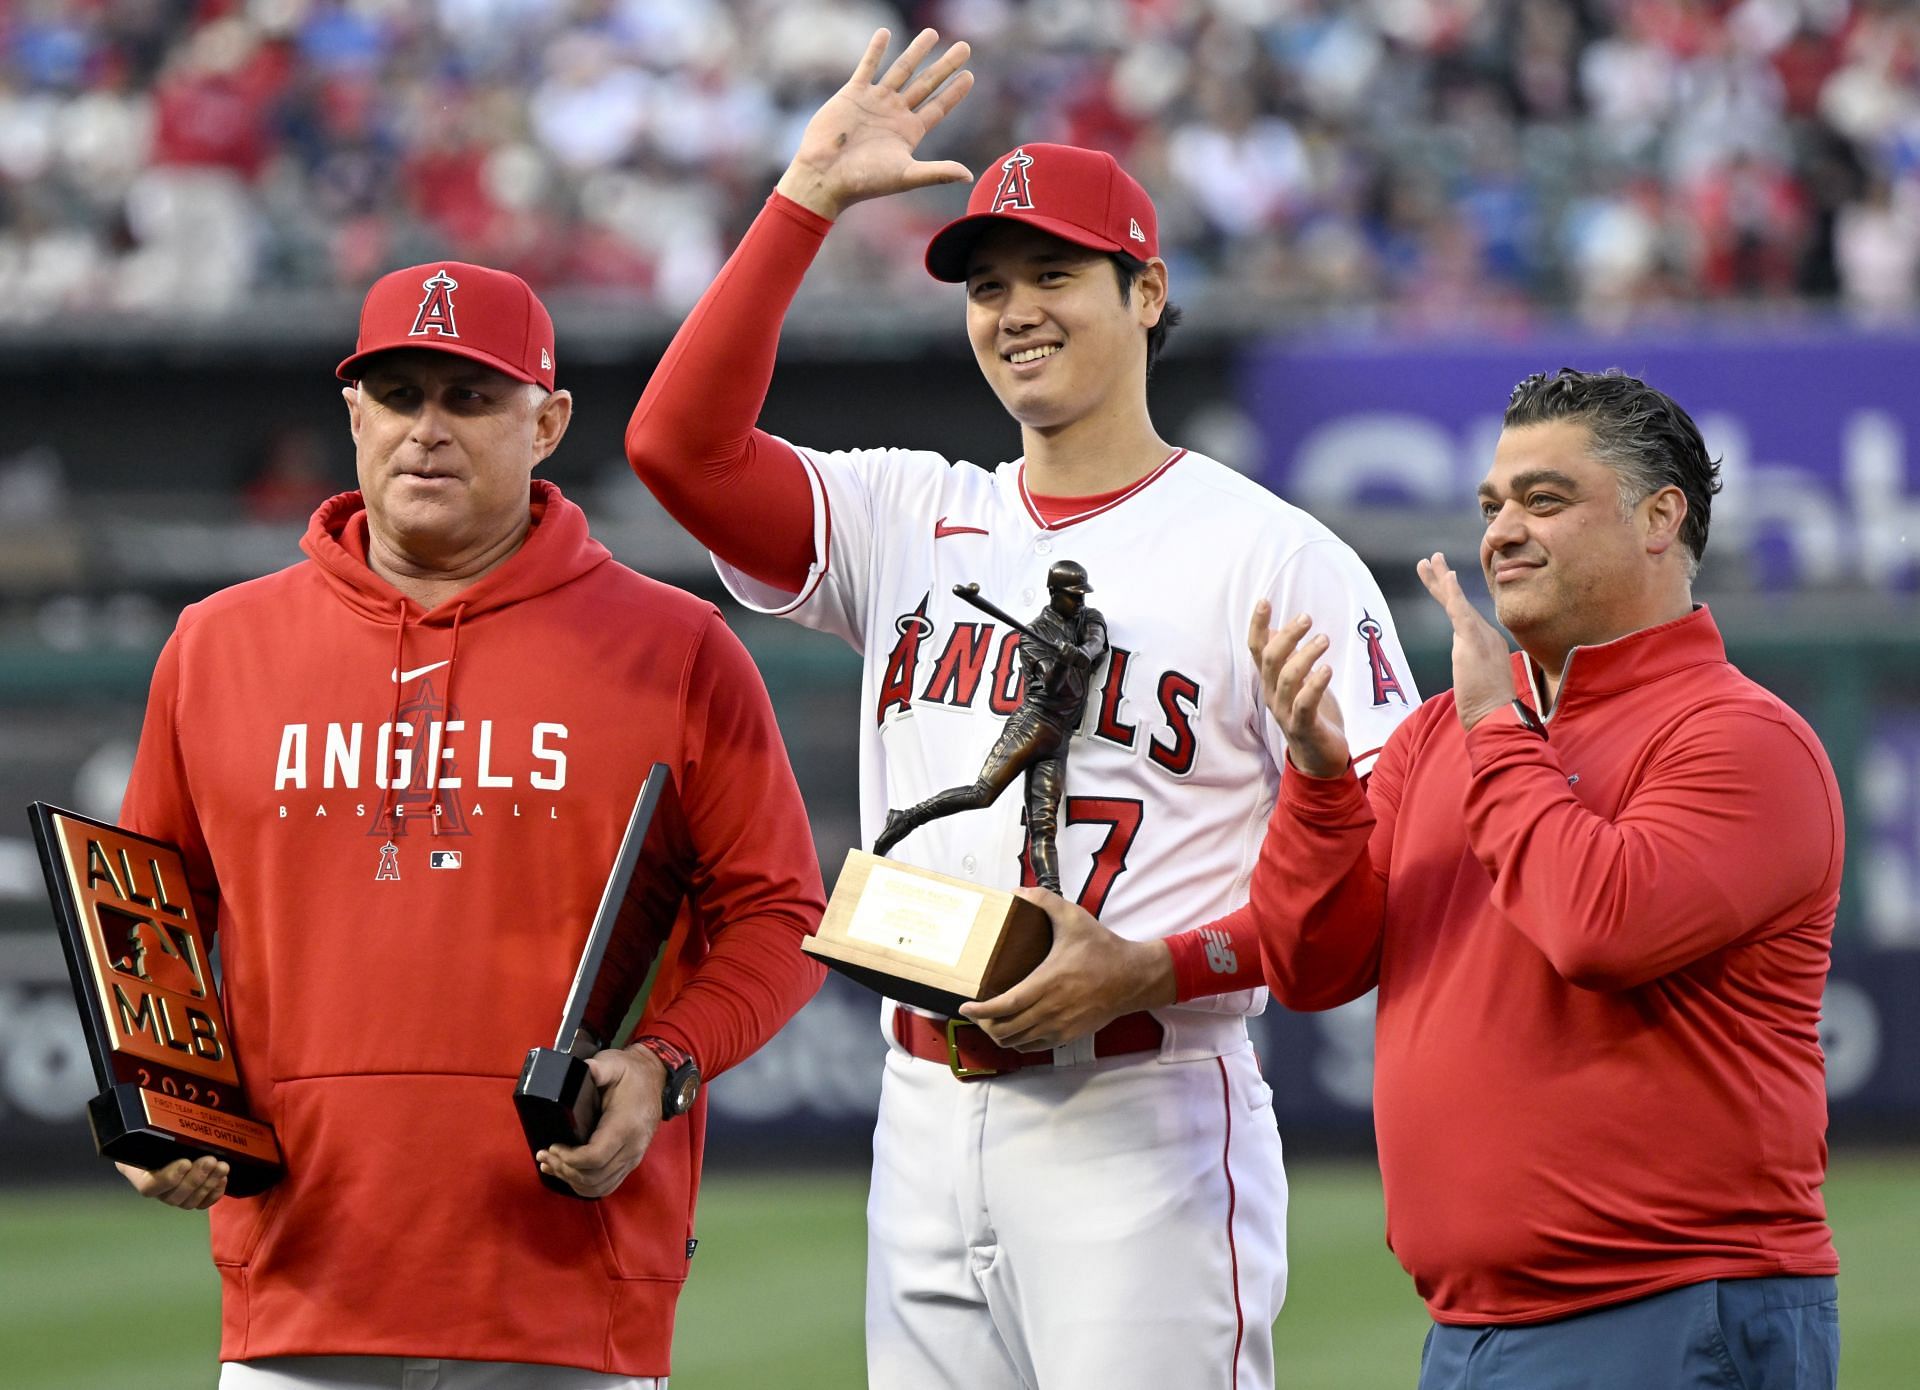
[558,1104]
[927,939]
[149,1129]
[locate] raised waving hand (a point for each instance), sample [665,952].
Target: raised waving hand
[861,144]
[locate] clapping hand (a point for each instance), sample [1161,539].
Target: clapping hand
[1293,682]
[1482,666]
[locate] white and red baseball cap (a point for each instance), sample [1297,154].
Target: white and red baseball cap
[471,311]
[1079,195]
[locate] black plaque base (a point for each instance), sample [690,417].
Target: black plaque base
[918,993]
[125,1131]
[558,1104]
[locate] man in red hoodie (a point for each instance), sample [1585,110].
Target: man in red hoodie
[1598,913]
[399,772]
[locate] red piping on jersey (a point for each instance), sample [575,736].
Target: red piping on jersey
[816,572]
[825,557]
[1026,497]
[1233,1252]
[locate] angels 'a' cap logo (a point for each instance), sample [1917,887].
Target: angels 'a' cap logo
[435,314]
[1014,192]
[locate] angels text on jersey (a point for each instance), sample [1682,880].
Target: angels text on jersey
[977,665]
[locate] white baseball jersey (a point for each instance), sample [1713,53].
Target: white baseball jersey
[1175,767]
[1115,1223]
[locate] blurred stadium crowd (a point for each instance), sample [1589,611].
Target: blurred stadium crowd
[1438,159]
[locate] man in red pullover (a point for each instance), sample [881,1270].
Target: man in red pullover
[1599,915]
[399,772]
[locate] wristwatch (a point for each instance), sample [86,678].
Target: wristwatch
[683,1076]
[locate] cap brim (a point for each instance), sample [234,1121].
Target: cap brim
[948,251]
[354,367]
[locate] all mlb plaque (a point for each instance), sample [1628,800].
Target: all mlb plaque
[162,1054]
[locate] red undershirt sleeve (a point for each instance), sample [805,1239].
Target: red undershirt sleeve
[757,891]
[1219,958]
[692,438]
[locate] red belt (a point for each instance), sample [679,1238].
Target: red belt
[960,1046]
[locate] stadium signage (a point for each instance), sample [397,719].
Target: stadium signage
[1817,430]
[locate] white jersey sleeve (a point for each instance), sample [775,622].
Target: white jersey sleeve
[869,505]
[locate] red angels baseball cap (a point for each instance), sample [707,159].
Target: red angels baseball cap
[1081,196]
[471,311]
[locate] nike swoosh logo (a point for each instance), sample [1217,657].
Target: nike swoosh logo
[402,677]
[941,530]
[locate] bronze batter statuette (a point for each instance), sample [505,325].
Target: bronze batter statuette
[1058,651]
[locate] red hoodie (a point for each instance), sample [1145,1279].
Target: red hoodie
[386,969]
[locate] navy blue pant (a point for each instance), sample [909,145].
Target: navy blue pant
[1725,1334]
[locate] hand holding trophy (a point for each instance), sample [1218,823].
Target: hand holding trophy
[157,1036]
[558,1098]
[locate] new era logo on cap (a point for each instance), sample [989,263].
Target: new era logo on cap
[1079,195]
[472,311]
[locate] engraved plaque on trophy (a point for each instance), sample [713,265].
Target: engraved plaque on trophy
[937,942]
[555,1096]
[924,938]
[156,1033]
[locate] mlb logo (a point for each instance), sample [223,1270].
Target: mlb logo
[444,859]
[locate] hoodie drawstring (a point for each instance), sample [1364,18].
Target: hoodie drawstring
[393,718]
[453,664]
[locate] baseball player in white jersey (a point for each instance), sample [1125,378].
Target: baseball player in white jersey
[1080,1183]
